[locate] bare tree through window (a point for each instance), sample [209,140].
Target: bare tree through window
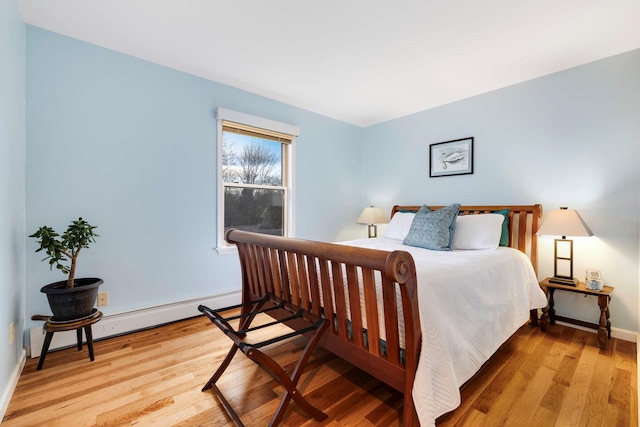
[253,174]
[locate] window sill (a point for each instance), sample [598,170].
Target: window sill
[225,250]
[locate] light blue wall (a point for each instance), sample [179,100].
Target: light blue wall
[131,147]
[567,139]
[12,204]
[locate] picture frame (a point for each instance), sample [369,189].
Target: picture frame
[449,158]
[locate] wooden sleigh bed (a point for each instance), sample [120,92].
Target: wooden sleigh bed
[302,272]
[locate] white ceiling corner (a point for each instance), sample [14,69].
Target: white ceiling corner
[359,61]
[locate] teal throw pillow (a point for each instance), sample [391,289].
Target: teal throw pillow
[433,229]
[504,237]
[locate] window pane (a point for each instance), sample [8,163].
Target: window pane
[251,160]
[255,172]
[253,209]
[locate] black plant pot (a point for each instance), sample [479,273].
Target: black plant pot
[72,303]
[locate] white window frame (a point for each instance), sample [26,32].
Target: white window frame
[223,114]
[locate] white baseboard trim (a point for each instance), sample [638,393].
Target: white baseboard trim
[121,323]
[11,384]
[621,334]
[624,334]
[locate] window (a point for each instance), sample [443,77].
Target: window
[255,174]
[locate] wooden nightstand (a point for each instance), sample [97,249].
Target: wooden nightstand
[549,315]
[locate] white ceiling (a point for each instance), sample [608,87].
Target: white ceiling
[359,61]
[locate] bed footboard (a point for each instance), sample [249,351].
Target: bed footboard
[369,298]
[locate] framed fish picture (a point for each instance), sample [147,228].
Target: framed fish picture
[451,158]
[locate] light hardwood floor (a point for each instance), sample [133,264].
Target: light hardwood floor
[154,377]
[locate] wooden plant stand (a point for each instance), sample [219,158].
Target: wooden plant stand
[51,326]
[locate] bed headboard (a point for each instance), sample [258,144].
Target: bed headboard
[524,221]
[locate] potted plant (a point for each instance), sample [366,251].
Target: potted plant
[72,298]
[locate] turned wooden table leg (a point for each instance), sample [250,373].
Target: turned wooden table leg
[544,320]
[604,327]
[608,321]
[548,313]
[533,318]
[551,310]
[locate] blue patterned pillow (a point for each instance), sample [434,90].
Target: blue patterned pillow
[433,229]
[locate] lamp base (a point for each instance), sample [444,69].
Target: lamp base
[564,281]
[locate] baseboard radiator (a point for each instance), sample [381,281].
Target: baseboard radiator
[131,321]
[122,323]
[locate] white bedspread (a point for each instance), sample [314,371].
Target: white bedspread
[470,302]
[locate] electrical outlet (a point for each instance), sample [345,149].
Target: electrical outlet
[12,332]
[103,299]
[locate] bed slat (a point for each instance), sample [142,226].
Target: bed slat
[303,282]
[391,321]
[371,310]
[341,302]
[354,305]
[314,288]
[290,276]
[327,295]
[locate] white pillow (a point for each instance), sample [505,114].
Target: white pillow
[399,225]
[477,231]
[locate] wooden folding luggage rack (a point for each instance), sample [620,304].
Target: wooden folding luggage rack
[248,312]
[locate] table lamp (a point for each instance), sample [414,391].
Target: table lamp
[563,222]
[372,216]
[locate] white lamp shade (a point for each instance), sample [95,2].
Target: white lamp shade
[372,215]
[564,222]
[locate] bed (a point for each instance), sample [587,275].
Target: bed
[403,331]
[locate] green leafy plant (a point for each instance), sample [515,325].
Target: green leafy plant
[80,234]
